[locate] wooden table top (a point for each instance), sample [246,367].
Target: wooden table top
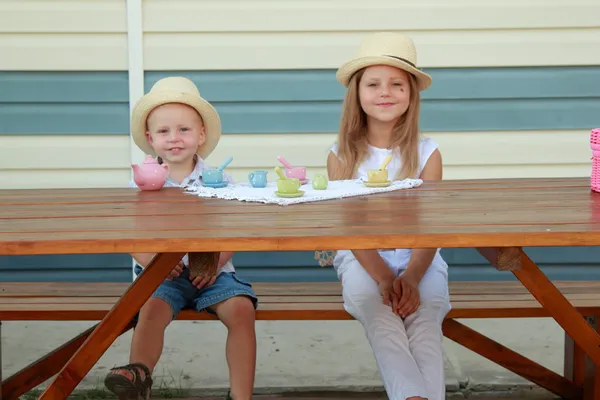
[473,213]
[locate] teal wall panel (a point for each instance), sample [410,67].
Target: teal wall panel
[64,103]
[461,99]
[569,263]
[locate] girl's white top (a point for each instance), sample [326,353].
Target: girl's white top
[397,259]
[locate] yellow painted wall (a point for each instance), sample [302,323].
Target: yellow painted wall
[89,35]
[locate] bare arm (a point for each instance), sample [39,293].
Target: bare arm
[224,257]
[421,259]
[369,259]
[143,259]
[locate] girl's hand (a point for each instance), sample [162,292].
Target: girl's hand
[175,272]
[407,289]
[386,288]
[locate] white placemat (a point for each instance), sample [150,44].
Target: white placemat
[335,190]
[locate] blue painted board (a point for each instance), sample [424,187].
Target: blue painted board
[568,263]
[461,99]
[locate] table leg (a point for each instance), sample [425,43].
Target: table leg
[557,305]
[109,329]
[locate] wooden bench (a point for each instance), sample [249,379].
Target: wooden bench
[63,301]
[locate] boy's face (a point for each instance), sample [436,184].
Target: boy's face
[175,131]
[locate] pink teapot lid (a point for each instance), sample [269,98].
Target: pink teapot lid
[150,160]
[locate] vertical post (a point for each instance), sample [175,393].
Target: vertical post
[135,51]
[580,368]
[0,360]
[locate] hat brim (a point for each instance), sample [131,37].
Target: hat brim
[345,72]
[210,117]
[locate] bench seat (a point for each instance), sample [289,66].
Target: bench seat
[20,301]
[68,301]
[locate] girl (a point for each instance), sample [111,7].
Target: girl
[400,296]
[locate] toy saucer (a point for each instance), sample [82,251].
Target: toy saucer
[215,185]
[377,184]
[299,193]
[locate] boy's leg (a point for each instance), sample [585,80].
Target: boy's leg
[148,335]
[237,314]
[234,302]
[134,380]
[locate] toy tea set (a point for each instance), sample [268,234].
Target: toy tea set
[152,176]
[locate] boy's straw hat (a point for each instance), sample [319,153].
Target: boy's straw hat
[385,48]
[175,90]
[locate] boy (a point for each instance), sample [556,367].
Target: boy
[178,126]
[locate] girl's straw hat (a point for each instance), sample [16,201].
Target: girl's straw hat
[175,90]
[385,48]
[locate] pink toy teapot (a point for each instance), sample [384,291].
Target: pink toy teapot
[150,175]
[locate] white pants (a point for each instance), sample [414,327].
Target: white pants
[409,352]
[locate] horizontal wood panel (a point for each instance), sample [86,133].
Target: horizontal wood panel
[300,85]
[344,15]
[62,301]
[305,101]
[244,16]
[563,263]
[309,117]
[64,178]
[441,214]
[63,52]
[60,152]
[298,34]
[316,50]
[64,87]
[113,178]
[58,119]
[519,148]
[63,16]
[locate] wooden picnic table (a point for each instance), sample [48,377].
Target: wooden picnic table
[498,217]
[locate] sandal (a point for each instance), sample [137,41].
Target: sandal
[126,388]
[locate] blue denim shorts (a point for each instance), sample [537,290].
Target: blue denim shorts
[179,293]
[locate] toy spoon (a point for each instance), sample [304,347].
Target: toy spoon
[280,173]
[284,162]
[225,163]
[386,161]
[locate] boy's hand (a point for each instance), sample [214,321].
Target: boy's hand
[175,272]
[204,268]
[201,281]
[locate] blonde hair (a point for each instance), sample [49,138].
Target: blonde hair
[352,137]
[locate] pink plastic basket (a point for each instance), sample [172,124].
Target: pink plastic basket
[595,139]
[595,178]
[595,146]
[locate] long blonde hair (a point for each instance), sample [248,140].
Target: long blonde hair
[352,138]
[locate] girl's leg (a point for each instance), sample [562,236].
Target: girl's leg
[424,330]
[238,315]
[385,331]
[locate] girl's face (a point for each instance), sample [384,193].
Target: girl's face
[175,131]
[384,93]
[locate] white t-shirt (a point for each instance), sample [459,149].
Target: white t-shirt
[194,175]
[397,259]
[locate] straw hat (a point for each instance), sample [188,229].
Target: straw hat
[385,48]
[175,90]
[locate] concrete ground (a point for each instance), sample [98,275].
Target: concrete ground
[296,358]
